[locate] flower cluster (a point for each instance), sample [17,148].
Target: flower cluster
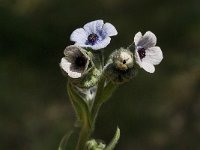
[91,81]
[95,36]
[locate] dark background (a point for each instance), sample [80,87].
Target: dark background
[159,111]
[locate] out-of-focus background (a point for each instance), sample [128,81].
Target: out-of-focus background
[159,111]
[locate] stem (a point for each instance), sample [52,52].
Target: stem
[99,59]
[103,93]
[97,102]
[102,59]
[83,137]
[87,129]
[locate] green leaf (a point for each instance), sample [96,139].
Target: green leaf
[80,106]
[69,141]
[74,103]
[108,90]
[114,141]
[103,93]
[83,112]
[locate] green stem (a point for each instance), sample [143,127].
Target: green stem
[87,129]
[86,116]
[83,137]
[102,59]
[99,59]
[103,93]
[97,102]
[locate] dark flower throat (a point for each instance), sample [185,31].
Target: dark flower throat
[92,38]
[80,61]
[141,52]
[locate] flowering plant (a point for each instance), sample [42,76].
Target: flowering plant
[91,81]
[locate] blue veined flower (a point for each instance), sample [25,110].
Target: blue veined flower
[146,53]
[95,35]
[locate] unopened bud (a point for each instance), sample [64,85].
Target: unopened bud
[120,67]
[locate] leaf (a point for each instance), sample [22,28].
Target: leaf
[74,103]
[69,141]
[114,141]
[82,109]
[80,106]
[103,93]
[108,90]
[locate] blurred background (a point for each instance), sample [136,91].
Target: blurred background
[159,111]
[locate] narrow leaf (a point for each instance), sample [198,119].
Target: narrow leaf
[82,106]
[69,141]
[74,103]
[108,90]
[114,141]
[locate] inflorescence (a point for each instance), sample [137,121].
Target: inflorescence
[91,81]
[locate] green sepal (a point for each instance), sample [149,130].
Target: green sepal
[114,141]
[89,78]
[92,78]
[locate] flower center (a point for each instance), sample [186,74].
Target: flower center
[141,52]
[80,61]
[92,38]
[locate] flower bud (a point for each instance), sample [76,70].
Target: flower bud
[95,145]
[120,67]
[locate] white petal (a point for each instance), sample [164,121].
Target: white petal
[94,26]
[71,50]
[148,40]
[148,67]
[109,29]
[65,65]
[74,74]
[79,36]
[101,44]
[82,45]
[154,55]
[137,37]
